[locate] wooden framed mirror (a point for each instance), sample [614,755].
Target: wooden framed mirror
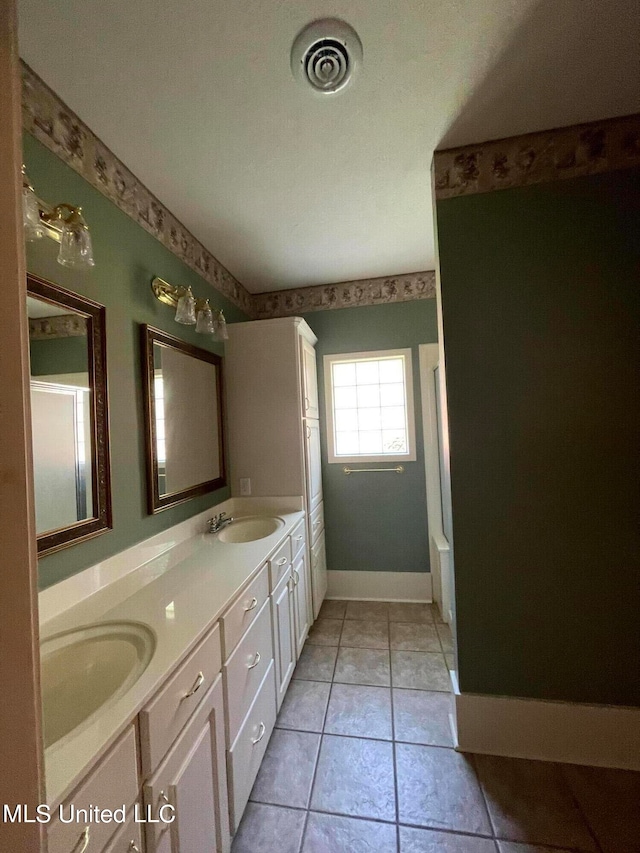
[184,420]
[69,414]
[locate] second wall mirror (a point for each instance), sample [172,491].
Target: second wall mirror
[184,419]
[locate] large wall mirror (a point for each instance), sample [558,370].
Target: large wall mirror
[184,419]
[69,416]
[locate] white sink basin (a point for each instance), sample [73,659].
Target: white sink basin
[84,669]
[250,528]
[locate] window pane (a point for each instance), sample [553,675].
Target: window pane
[344,374]
[346,420]
[367,372]
[391,395]
[371,441]
[347,443]
[368,396]
[345,397]
[369,419]
[394,441]
[392,370]
[393,417]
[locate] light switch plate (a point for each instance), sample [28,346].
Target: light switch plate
[245,487]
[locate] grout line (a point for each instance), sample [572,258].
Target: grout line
[393,752]
[576,802]
[478,776]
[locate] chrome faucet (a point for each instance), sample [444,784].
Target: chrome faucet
[219,522]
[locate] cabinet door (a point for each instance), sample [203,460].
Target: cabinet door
[283,635]
[301,601]
[313,464]
[318,574]
[191,783]
[309,381]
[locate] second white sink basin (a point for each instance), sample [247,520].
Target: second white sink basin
[250,528]
[85,668]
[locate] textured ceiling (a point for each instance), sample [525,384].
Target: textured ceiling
[289,189]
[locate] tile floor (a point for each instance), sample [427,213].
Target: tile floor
[362,759]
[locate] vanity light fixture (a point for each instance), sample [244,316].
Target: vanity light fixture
[64,223]
[191,310]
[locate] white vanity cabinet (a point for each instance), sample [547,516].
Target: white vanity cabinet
[189,788]
[282,609]
[302,611]
[273,415]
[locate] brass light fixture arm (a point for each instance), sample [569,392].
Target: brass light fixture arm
[169,294]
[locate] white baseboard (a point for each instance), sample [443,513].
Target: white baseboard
[380,586]
[599,735]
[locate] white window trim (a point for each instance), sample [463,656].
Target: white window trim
[376,355]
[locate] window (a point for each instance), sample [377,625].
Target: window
[370,406]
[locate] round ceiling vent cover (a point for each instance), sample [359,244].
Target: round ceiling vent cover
[325,55]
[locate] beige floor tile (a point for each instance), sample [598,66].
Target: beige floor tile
[376,611]
[287,769]
[406,612]
[420,716]
[316,663]
[327,833]
[444,632]
[363,666]
[414,637]
[304,706]
[359,712]
[325,632]
[530,801]
[610,801]
[438,788]
[269,828]
[332,609]
[420,670]
[355,777]
[431,841]
[365,635]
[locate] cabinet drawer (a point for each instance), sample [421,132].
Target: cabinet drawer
[247,752]
[279,563]
[166,715]
[298,539]
[129,838]
[245,669]
[111,784]
[189,788]
[316,525]
[242,614]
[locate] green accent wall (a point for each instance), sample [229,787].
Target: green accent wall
[540,296]
[375,522]
[58,356]
[127,258]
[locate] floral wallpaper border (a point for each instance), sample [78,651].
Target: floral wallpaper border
[53,124]
[567,152]
[347,294]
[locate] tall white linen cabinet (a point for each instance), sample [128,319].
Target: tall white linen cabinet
[274,430]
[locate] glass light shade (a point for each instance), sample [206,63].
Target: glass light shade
[204,320]
[76,250]
[33,229]
[186,310]
[220,328]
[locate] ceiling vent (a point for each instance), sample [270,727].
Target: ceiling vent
[326,55]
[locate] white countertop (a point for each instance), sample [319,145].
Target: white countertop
[179,604]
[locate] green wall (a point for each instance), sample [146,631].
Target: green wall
[127,258]
[58,356]
[376,522]
[540,291]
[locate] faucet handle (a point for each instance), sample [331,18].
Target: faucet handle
[221,516]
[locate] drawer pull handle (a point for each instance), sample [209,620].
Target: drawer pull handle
[281,561]
[162,796]
[252,606]
[263,729]
[84,840]
[297,580]
[316,522]
[196,686]
[256,661]
[133,847]
[299,538]
[306,404]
